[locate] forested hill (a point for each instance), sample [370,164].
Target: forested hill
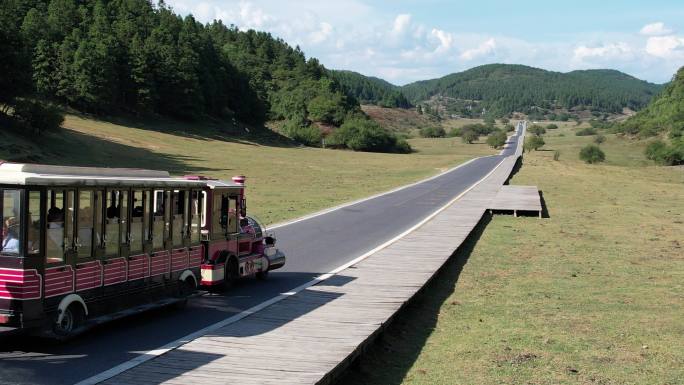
[665,113]
[132,56]
[505,88]
[370,90]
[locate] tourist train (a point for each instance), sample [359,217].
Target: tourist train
[82,245]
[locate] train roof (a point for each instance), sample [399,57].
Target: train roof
[49,175]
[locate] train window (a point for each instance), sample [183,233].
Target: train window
[203,208]
[158,219]
[123,220]
[11,221]
[233,215]
[219,213]
[138,232]
[33,244]
[97,230]
[195,215]
[178,214]
[54,240]
[113,213]
[86,219]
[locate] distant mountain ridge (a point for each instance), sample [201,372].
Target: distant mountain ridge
[505,88]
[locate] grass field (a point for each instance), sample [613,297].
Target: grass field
[594,294]
[284,180]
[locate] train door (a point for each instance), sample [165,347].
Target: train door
[160,258]
[59,243]
[115,244]
[179,230]
[88,242]
[196,221]
[137,237]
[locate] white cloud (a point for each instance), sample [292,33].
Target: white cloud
[666,47]
[401,24]
[321,34]
[446,40]
[606,51]
[483,50]
[655,29]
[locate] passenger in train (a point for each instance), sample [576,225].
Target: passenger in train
[10,243]
[137,208]
[55,214]
[113,209]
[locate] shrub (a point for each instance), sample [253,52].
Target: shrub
[586,131]
[469,136]
[509,127]
[402,146]
[497,139]
[432,132]
[505,120]
[361,134]
[38,116]
[489,121]
[599,139]
[551,126]
[661,153]
[303,133]
[592,154]
[534,143]
[456,131]
[327,109]
[537,130]
[478,128]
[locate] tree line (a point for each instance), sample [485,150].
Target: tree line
[502,88]
[662,118]
[371,90]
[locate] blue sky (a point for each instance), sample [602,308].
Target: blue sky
[407,40]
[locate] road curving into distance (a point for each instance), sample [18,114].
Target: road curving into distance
[313,246]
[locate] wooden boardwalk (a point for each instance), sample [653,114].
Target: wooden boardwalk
[312,336]
[518,198]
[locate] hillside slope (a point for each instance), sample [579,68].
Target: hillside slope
[664,114]
[504,88]
[400,120]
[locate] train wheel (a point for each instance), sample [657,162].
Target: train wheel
[185,289]
[72,319]
[232,273]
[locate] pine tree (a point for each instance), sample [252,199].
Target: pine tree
[44,70]
[141,76]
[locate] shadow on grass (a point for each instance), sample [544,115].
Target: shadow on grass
[516,168]
[72,148]
[545,209]
[204,129]
[391,356]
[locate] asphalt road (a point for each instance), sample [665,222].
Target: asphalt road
[313,246]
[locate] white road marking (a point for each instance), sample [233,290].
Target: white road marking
[146,356]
